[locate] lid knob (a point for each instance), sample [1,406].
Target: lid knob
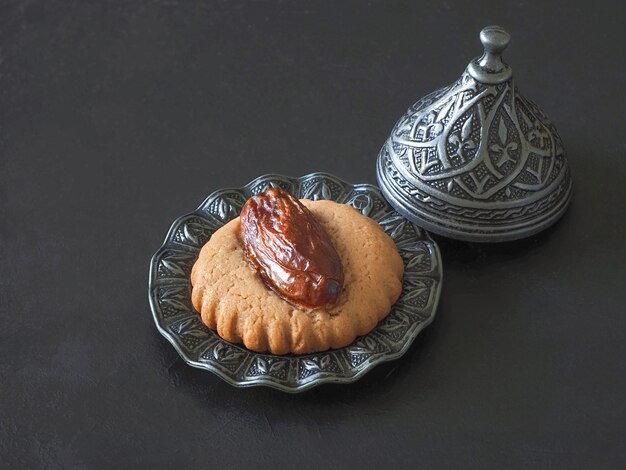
[490,68]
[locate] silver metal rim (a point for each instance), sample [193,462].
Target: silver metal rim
[450,227]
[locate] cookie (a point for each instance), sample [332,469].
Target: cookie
[233,300]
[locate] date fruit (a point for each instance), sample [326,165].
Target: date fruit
[290,250]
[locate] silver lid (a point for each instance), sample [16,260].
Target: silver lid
[476,160]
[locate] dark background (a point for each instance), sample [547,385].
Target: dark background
[117,117]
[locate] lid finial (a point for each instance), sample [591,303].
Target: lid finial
[490,68]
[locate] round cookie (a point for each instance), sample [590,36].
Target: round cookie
[232,299]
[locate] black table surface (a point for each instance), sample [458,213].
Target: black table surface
[117,117]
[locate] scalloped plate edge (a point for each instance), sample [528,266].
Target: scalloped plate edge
[301,387]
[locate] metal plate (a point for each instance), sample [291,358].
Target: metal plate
[170,291]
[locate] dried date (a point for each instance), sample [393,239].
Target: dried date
[290,250]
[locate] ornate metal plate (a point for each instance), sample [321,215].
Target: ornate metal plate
[170,291]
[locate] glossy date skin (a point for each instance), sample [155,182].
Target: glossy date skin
[290,250]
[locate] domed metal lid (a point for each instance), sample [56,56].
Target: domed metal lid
[476,160]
